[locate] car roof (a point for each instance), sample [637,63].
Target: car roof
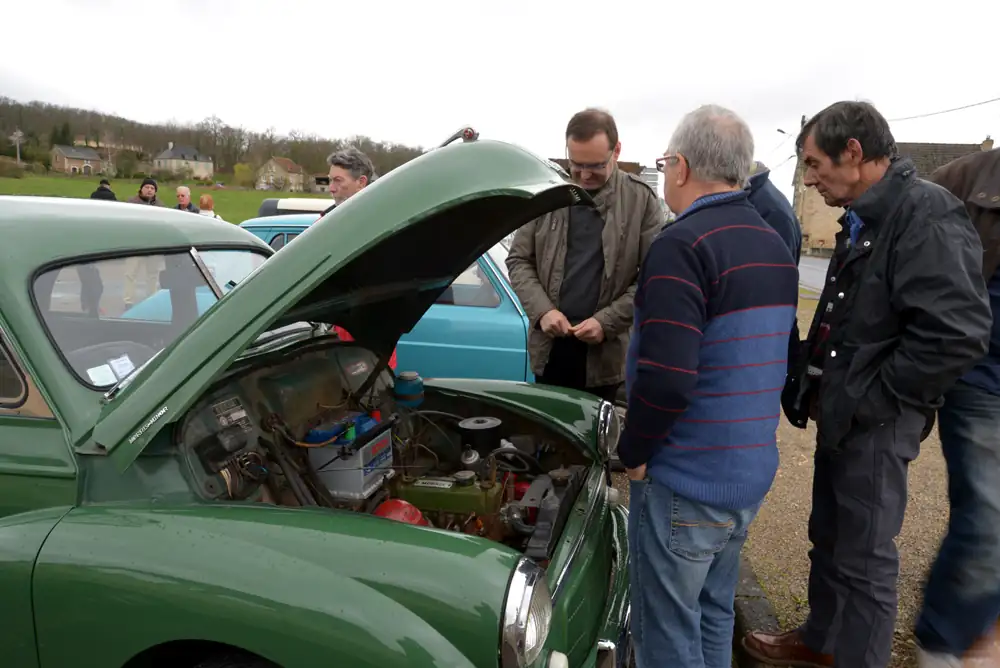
[39,230]
[285,219]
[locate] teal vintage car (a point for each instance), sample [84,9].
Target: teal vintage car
[239,488]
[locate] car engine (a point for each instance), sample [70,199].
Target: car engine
[327,427]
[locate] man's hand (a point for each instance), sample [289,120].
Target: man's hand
[636,474]
[554,323]
[588,331]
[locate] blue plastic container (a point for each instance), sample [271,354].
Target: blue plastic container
[409,389]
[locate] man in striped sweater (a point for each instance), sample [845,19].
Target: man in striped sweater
[715,304]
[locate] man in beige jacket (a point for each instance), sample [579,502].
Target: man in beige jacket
[574,270]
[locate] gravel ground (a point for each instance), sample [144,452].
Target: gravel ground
[778,543]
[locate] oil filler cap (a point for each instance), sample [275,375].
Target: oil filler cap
[464,478]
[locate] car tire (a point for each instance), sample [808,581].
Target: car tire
[236,660]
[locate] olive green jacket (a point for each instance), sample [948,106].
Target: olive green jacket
[633,216]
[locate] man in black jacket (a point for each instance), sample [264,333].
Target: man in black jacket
[104,191]
[904,314]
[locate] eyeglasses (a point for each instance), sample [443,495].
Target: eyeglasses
[661,163]
[588,166]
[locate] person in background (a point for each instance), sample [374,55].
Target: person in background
[350,172]
[147,265]
[962,596]
[776,211]
[774,208]
[147,194]
[904,315]
[575,269]
[714,308]
[184,202]
[206,205]
[104,191]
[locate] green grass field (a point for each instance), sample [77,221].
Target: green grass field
[232,204]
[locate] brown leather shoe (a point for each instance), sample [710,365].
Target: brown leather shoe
[784,649]
[985,653]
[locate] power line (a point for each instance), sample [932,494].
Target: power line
[944,111]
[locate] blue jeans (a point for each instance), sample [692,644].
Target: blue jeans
[684,568]
[962,597]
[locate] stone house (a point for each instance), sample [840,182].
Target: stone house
[185,160]
[820,222]
[78,160]
[281,174]
[321,183]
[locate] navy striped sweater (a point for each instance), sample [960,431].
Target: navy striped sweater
[706,365]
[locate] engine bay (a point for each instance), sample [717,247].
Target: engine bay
[324,426]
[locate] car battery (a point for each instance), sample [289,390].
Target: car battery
[356,465]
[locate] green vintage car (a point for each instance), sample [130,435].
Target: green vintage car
[245,488]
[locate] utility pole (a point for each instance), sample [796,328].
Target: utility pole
[16,138]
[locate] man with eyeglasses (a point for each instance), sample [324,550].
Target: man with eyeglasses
[574,270]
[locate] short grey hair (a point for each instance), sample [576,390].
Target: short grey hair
[717,144]
[354,161]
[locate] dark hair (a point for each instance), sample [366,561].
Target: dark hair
[833,127]
[354,161]
[105,182]
[587,124]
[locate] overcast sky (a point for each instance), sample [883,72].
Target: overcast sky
[413,72]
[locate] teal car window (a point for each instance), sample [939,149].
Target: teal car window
[110,316]
[471,288]
[11,385]
[277,241]
[229,267]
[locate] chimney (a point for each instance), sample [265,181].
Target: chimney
[987,143]
[170,145]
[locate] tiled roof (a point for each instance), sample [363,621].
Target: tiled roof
[288,165]
[928,157]
[78,152]
[183,153]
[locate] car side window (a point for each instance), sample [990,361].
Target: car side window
[290,236]
[277,241]
[472,288]
[12,388]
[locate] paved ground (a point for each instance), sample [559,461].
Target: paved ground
[812,271]
[778,543]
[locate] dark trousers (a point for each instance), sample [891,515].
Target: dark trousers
[567,367]
[962,598]
[858,503]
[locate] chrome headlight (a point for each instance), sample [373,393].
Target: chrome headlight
[527,616]
[609,429]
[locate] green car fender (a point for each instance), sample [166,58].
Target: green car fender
[21,539]
[572,412]
[299,587]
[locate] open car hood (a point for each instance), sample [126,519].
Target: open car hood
[373,265]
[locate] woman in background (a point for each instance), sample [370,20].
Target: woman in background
[207,206]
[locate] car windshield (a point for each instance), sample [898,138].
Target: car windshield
[109,316]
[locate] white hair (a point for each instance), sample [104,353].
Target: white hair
[717,144]
[184,189]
